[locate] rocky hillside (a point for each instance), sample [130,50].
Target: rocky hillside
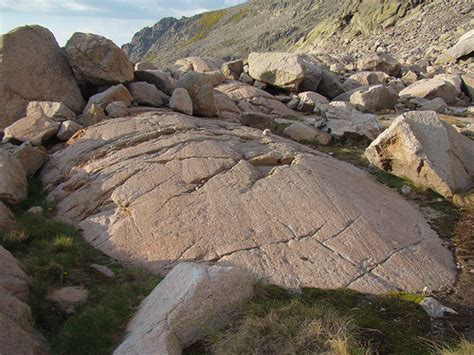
[306,26]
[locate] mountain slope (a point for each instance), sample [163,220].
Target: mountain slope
[304,26]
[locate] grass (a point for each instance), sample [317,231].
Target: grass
[54,255]
[324,321]
[238,16]
[205,24]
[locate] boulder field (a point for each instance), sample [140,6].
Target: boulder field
[162,188]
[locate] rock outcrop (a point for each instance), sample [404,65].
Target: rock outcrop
[97,60]
[431,89]
[428,151]
[13,184]
[190,303]
[163,188]
[200,87]
[44,76]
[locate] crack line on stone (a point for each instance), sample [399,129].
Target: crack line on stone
[346,227]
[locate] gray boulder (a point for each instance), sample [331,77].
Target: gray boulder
[181,101]
[57,111]
[67,130]
[432,88]
[156,77]
[330,86]
[117,109]
[200,87]
[464,47]
[35,128]
[301,132]
[98,60]
[145,94]
[13,183]
[380,62]
[374,99]
[232,70]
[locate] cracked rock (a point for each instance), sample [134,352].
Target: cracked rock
[163,188]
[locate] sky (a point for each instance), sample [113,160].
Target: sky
[117,20]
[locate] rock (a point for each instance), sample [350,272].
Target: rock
[375,98]
[44,75]
[181,101]
[117,109]
[453,79]
[259,85]
[114,93]
[145,94]
[432,88]
[57,111]
[438,105]
[226,108]
[67,130]
[201,65]
[156,77]
[16,331]
[428,151]
[200,88]
[464,47]
[31,157]
[468,81]
[284,70]
[293,103]
[308,100]
[245,78]
[410,77]
[435,309]
[7,220]
[192,301]
[301,132]
[396,85]
[12,277]
[380,62]
[37,210]
[406,190]
[163,188]
[370,78]
[94,114]
[330,86]
[251,99]
[313,74]
[256,120]
[68,298]
[104,270]
[144,66]
[345,121]
[233,70]
[36,128]
[98,60]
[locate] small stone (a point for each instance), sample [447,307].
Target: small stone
[267,132]
[406,190]
[427,291]
[104,270]
[37,210]
[434,308]
[67,298]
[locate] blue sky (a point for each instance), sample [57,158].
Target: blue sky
[114,19]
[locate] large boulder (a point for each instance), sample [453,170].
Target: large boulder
[383,62]
[114,93]
[200,65]
[301,132]
[365,78]
[226,107]
[375,98]
[464,47]
[97,60]
[200,87]
[251,99]
[309,99]
[35,128]
[190,303]
[330,86]
[31,157]
[163,188]
[284,70]
[33,68]
[17,335]
[232,70]
[145,94]
[13,183]
[428,151]
[156,77]
[468,82]
[181,101]
[432,88]
[54,110]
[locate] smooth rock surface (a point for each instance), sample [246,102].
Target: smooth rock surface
[155,77]
[44,75]
[190,303]
[428,151]
[98,60]
[13,183]
[69,297]
[163,188]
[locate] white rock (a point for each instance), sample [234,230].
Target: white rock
[435,309]
[67,130]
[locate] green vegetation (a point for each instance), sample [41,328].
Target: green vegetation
[53,255]
[318,321]
[238,16]
[463,348]
[206,23]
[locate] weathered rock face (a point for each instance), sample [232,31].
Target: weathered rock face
[468,81]
[163,188]
[44,76]
[374,99]
[226,107]
[232,70]
[181,102]
[330,85]
[200,88]
[251,99]
[31,157]
[97,60]
[114,93]
[36,128]
[426,150]
[200,65]
[13,184]
[155,77]
[117,109]
[380,62]
[192,301]
[464,47]
[308,100]
[431,89]
[16,331]
[67,130]
[284,70]
[300,132]
[54,110]
[145,94]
